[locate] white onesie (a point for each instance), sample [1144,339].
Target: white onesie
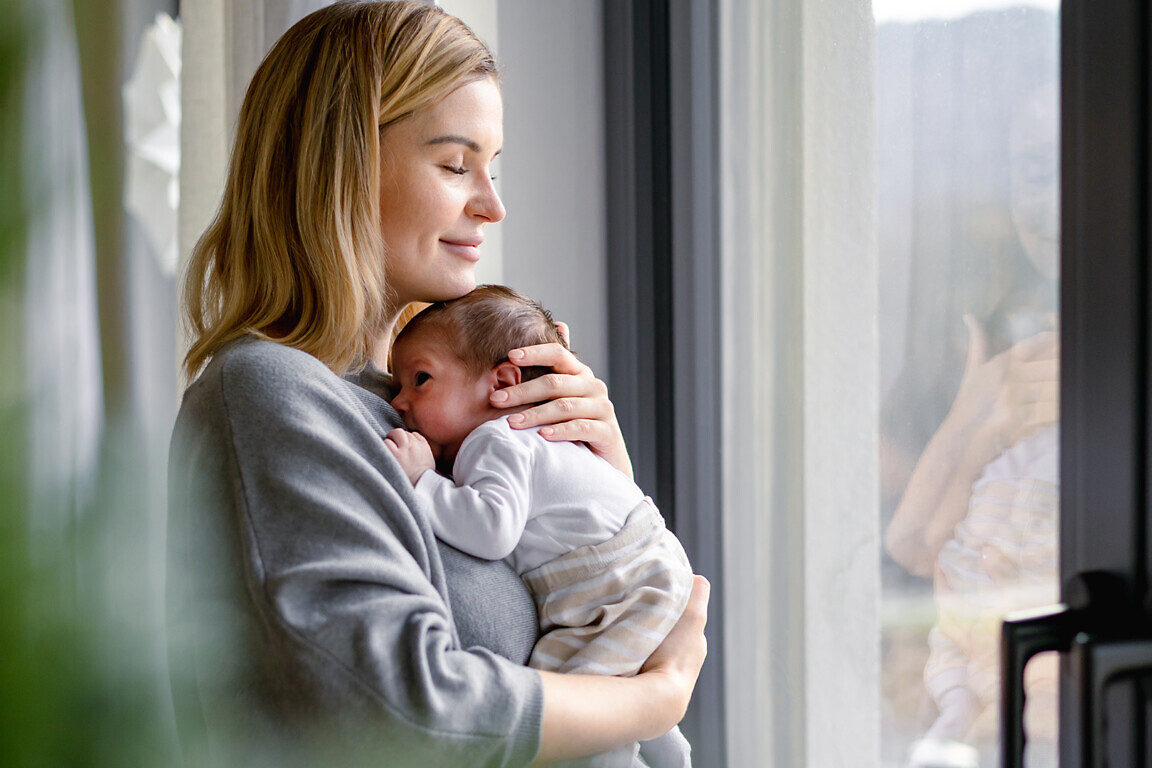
[608,577]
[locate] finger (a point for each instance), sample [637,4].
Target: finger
[589,431]
[689,628]
[1031,393]
[1045,370]
[697,609]
[977,343]
[996,564]
[564,410]
[557,387]
[1037,417]
[552,356]
[1045,344]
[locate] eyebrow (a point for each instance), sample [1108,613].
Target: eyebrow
[457,139]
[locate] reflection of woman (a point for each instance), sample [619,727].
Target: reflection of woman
[313,614]
[979,510]
[1004,396]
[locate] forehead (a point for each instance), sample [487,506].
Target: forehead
[473,112]
[419,348]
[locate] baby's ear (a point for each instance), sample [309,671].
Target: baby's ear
[506,375]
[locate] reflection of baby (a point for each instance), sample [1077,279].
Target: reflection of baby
[1001,558]
[1002,554]
[609,579]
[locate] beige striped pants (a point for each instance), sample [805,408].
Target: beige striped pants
[605,607]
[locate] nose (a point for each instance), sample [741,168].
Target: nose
[486,202]
[400,403]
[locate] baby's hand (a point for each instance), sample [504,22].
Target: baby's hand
[412,451]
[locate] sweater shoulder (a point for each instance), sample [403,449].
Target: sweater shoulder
[258,379]
[264,365]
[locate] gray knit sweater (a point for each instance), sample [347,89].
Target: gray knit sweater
[313,619]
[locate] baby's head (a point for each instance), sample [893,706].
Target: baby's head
[451,357]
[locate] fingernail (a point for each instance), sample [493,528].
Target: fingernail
[547,431]
[516,418]
[516,354]
[499,396]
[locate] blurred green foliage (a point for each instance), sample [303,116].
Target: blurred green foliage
[82,678]
[19,706]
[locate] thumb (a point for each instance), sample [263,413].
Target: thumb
[977,344]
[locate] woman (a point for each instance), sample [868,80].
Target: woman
[312,610]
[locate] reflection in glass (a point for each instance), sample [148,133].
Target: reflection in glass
[968,232]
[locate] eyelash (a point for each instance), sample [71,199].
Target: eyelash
[460,171]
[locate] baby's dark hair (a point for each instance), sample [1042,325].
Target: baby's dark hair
[483,326]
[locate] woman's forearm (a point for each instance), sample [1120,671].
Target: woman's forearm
[934,498]
[589,714]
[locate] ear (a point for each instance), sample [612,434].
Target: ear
[562,329]
[505,375]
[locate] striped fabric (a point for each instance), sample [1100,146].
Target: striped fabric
[605,607]
[1018,520]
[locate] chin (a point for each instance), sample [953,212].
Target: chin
[456,288]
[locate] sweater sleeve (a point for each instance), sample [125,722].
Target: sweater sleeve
[316,590]
[483,509]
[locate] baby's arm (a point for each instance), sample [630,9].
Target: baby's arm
[482,511]
[412,451]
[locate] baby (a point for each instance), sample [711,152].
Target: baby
[608,578]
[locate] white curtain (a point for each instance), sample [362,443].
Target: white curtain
[801,546]
[62,341]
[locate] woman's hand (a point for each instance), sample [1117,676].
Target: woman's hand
[1029,398]
[574,403]
[589,714]
[684,649]
[412,451]
[1006,398]
[1001,400]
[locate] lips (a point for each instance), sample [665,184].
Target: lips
[467,249]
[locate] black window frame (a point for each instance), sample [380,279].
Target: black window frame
[661,152]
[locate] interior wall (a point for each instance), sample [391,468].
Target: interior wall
[552,168]
[551,174]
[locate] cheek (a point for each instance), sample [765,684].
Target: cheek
[402,202]
[440,206]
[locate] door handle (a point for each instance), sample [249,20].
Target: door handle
[1022,636]
[1097,664]
[1092,603]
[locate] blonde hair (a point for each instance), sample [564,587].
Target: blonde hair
[481,327]
[295,251]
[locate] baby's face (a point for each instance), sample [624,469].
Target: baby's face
[439,396]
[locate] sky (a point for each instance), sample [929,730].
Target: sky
[911,10]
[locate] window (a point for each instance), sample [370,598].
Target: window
[884,177]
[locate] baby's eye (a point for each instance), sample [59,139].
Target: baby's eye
[421,377]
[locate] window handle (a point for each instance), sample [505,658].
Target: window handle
[1096,664]
[1022,636]
[1092,600]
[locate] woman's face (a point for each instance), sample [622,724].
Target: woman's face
[436,193]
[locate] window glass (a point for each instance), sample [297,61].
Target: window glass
[968,226]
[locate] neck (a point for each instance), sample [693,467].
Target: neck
[383,344]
